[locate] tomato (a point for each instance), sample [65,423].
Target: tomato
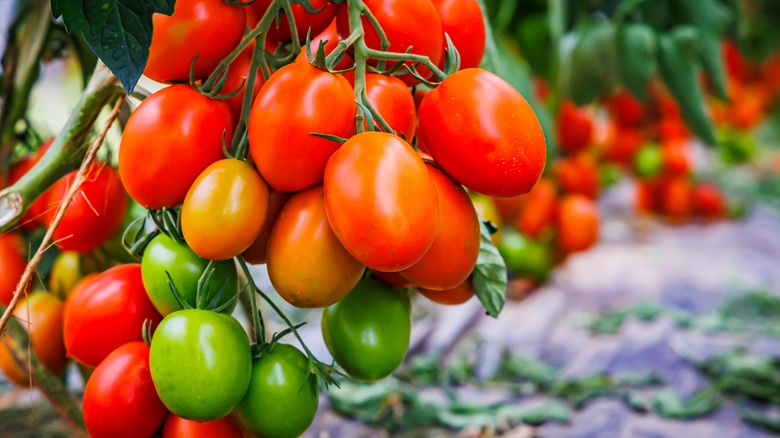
[575,127]
[407,24]
[40,314]
[105,313]
[114,248]
[737,65]
[525,257]
[578,174]
[65,273]
[257,252]
[381,201]
[282,397]
[625,144]
[646,197]
[280,126]
[487,210]
[31,219]
[455,248]
[510,208]
[672,130]
[120,400]
[483,133]
[13,261]
[201,364]
[394,102]
[539,212]
[676,158]
[676,197]
[708,200]
[165,256]
[450,297]
[177,427]
[169,140]
[224,210]
[648,161]
[330,37]
[578,223]
[392,278]
[462,20]
[305,22]
[626,109]
[238,76]
[94,214]
[207,29]
[327,273]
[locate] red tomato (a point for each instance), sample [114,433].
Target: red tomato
[483,133]
[646,198]
[456,246]
[31,219]
[392,278]
[381,201]
[173,136]
[457,295]
[626,109]
[237,76]
[105,313]
[676,157]
[624,145]
[510,208]
[737,65]
[672,129]
[394,102]
[257,251]
[298,100]
[120,400]
[575,127]
[462,20]
[708,200]
[13,261]
[676,197]
[177,427]
[578,223]
[407,23]
[578,174]
[207,29]
[305,22]
[538,214]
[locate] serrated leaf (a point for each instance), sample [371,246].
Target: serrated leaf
[490,275]
[636,57]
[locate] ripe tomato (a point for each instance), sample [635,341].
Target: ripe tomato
[646,197]
[106,312]
[238,76]
[381,201]
[672,130]
[483,133]
[207,29]
[626,109]
[676,197]
[282,396]
[94,214]
[578,174]
[13,261]
[709,201]
[224,210]
[40,314]
[368,332]
[392,278]
[280,127]
[450,297]
[575,127]
[201,364]
[538,214]
[394,102]
[177,427]
[407,23]
[120,400]
[456,246]
[165,256]
[525,257]
[31,219]
[462,20]
[327,273]
[648,161]
[305,22]
[624,145]
[676,158]
[578,223]
[510,208]
[168,141]
[257,252]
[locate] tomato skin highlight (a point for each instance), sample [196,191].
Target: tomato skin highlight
[377,217]
[297,100]
[394,102]
[224,210]
[483,133]
[177,427]
[462,20]
[173,136]
[305,21]
[282,398]
[106,312]
[450,297]
[120,400]
[203,28]
[13,261]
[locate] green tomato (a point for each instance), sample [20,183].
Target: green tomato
[609,174]
[201,363]
[368,331]
[525,257]
[164,254]
[648,161]
[282,398]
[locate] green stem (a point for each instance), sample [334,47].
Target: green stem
[419,59]
[361,56]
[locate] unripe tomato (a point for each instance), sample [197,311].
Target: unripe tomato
[626,109]
[201,364]
[408,24]
[13,261]
[450,297]
[168,141]
[368,332]
[120,400]
[648,161]
[238,76]
[525,257]
[676,158]
[575,127]
[207,29]
[33,217]
[280,127]
[394,102]
[257,252]
[177,427]
[93,215]
[462,20]
[381,201]
[106,312]
[65,273]
[456,246]
[392,278]
[487,210]
[676,197]
[708,200]
[538,215]
[578,174]
[578,223]
[281,401]
[224,210]
[327,272]
[40,314]
[483,133]
[165,256]
[305,22]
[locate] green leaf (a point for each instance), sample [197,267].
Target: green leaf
[636,57]
[766,420]
[535,413]
[708,15]
[593,63]
[118,31]
[490,275]
[668,403]
[712,60]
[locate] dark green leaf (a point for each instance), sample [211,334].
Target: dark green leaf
[636,57]
[708,15]
[593,63]
[490,275]
[668,403]
[712,60]
[767,420]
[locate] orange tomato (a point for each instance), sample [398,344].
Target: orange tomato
[676,197]
[12,264]
[578,174]
[392,278]
[539,212]
[578,223]
[676,157]
[457,295]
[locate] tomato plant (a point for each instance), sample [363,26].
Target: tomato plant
[305,22]
[392,99]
